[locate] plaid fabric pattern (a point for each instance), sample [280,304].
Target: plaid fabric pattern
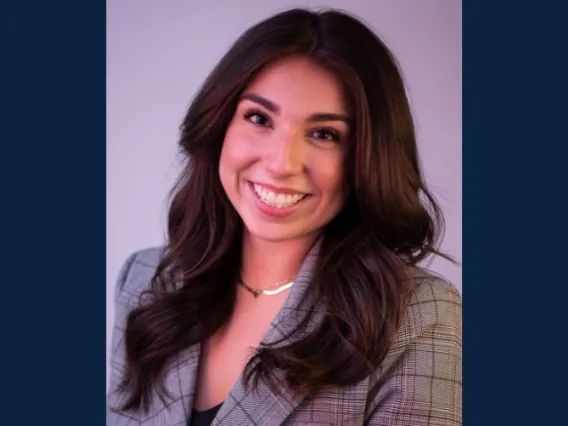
[418,383]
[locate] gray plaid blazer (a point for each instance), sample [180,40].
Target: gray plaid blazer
[418,383]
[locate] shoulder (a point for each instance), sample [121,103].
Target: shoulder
[136,275]
[133,279]
[432,320]
[433,300]
[420,379]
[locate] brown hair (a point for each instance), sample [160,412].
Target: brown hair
[389,222]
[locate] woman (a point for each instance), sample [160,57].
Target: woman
[288,291]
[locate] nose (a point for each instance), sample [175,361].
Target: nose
[287,154]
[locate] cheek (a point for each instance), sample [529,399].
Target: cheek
[329,177]
[237,151]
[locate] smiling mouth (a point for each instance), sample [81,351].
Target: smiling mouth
[275,199]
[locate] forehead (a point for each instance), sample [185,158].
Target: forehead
[299,85]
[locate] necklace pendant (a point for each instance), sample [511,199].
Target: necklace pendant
[257,292]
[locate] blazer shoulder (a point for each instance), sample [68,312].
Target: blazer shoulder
[435,297]
[136,274]
[134,278]
[434,302]
[434,310]
[419,380]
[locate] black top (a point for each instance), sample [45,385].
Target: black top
[204,418]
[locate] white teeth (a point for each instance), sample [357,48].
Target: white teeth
[273,199]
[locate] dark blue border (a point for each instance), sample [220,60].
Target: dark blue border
[514,155]
[53,212]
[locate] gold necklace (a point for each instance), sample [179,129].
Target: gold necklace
[278,288]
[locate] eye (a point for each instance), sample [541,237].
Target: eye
[326,135]
[257,118]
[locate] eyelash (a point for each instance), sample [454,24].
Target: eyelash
[334,135]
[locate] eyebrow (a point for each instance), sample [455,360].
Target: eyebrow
[314,118]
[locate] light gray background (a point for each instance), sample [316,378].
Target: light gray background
[159,52]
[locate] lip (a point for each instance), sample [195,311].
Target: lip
[277,189]
[274,211]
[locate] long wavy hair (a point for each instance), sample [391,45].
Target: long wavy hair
[390,221]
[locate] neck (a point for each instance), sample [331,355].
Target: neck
[265,263]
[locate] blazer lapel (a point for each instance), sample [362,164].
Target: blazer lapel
[265,406]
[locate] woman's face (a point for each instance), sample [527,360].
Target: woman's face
[282,159]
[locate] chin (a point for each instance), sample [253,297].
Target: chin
[278,233]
